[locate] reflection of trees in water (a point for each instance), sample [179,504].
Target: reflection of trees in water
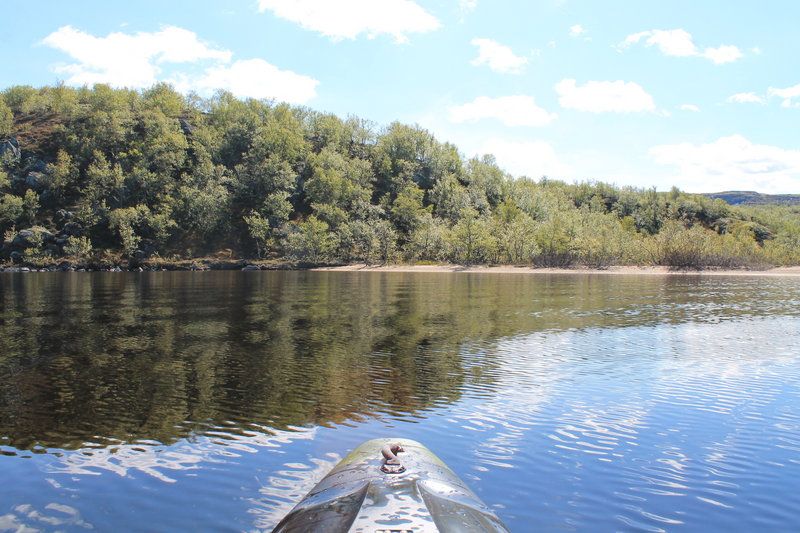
[119,357]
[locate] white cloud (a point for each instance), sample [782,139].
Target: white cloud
[347,19]
[723,54]
[690,107]
[465,6]
[576,31]
[744,98]
[679,43]
[731,163]
[527,158]
[788,94]
[139,60]
[497,57]
[125,60]
[517,110]
[601,96]
[670,42]
[255,78]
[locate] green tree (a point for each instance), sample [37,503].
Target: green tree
[555,240]
[449,198]
[62,100]
[260,230]
[11,209]
[515,232]
[428,240]
[164,98]
[471,240]
[486,181]
[339,185]
[127,221]
[407,209]
[311,242]
[25,99]
[103,181]
[649,212]
[600,241]
[6,121]
[326,131]
[78,247]
[201,213]
[386,238]
[62,175]
[358,241]
[37,251]
[257,179]
[30,206]
[163,146]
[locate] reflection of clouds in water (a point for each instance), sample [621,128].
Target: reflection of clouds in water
[687,424]
[281,491]
[668,417]
[724,400]
[27,519]
[119,459]
[744,348]
[598,430]
[520,383]
[278,494]
[642,428]
[153,458]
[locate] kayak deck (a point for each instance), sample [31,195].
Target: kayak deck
[361,494]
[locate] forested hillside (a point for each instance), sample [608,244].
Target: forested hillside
[755,198]
[99,175]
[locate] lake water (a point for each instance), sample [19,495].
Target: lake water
[215,400]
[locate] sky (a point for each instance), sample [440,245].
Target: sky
[699,94]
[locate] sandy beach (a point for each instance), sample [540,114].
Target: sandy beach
[611,271]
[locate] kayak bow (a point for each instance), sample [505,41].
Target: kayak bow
[391,485]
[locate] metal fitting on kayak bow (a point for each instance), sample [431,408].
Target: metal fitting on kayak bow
[357,496]
[391,464]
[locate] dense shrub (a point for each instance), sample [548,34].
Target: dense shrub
[134,170]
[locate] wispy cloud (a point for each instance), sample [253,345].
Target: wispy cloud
[604,96]
[347,19]
[679,43]
[498,57]
[732,163]
[466,6]
[745,98]
[253,78]
[788,94]
[690,107]
[576,31]
[517,110]
[527,158]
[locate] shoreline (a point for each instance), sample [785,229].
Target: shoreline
[793,271]
[245,265]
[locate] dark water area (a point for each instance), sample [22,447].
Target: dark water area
[180,401]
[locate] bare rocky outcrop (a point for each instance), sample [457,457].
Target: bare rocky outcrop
[11,147]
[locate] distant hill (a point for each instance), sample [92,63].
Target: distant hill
[755,198]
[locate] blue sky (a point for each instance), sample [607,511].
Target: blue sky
[704,95]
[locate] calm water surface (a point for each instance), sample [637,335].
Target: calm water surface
[214,401]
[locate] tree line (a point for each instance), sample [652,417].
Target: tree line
[121,173]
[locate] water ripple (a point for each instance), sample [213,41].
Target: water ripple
[567,403]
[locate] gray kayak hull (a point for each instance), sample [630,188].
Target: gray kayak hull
[419,494]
